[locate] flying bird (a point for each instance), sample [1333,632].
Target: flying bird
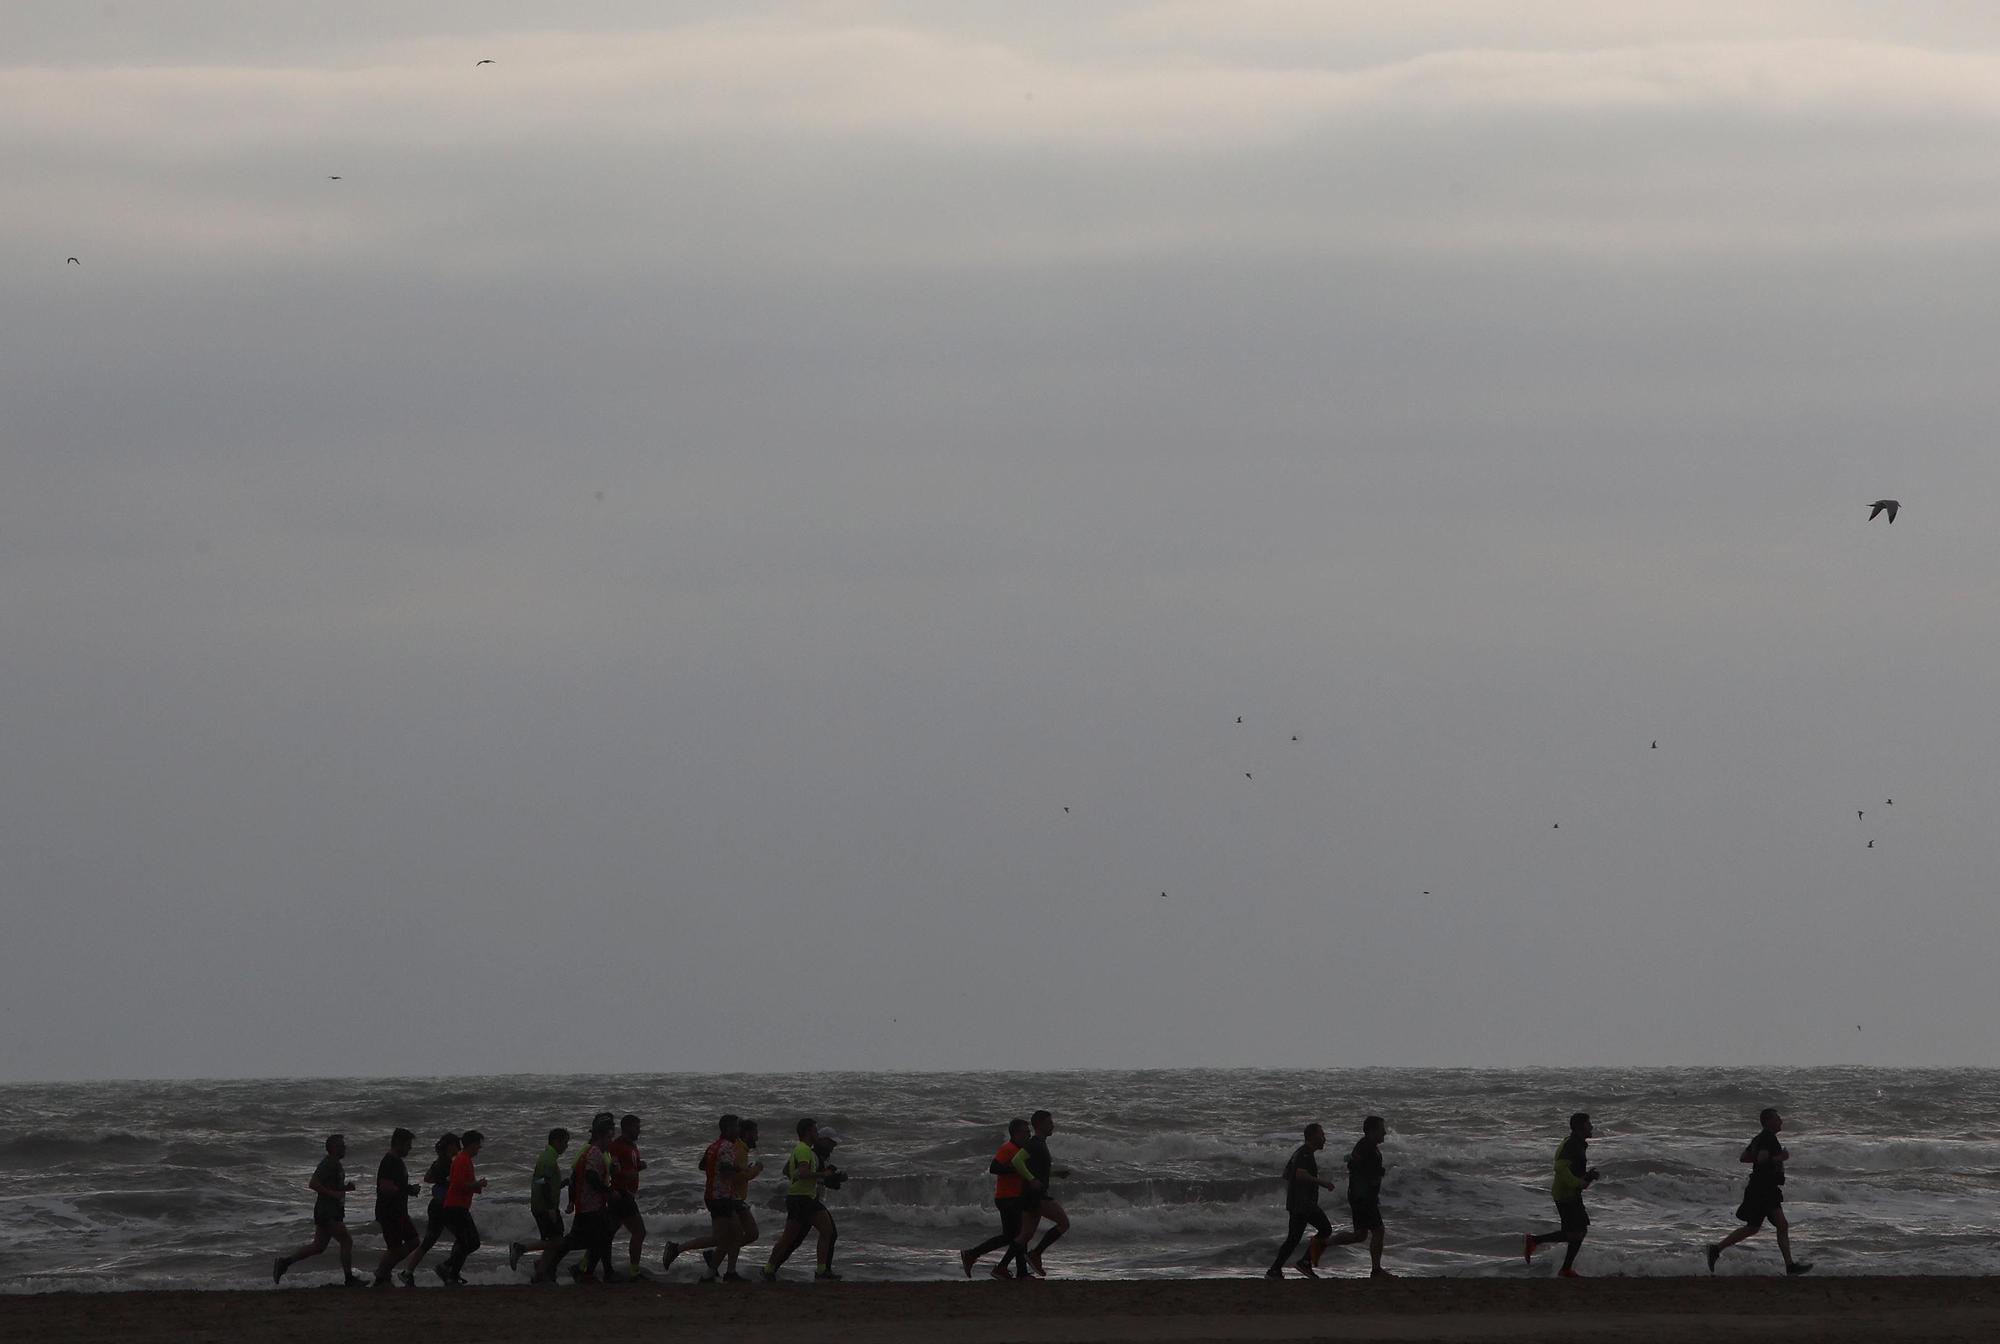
[1558,826]
[334,177]
[1656,744]
[1888,506]
[1890,803]
[1065,809]
[1857,815]
[487,61]
[1239,718]
[1246,774]
[1295,737]
[1871,844]
[73,262]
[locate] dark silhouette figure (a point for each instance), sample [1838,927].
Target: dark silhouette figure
[487,61]
[74,262]
[1888,506]
[1764,1195]
[1573,1176]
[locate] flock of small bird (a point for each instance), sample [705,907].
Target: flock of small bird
[1877,509]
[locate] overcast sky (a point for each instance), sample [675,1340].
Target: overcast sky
[632,575]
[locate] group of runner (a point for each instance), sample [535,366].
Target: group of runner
[1023,1173]
[1763,1199]
[600,1191]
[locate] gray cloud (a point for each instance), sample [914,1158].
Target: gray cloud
[1479,412]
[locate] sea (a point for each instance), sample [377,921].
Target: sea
[1173,1173]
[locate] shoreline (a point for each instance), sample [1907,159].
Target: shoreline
[1616,1311]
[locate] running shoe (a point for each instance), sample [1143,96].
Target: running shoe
[733,1277]
[1799,1267]
[1380,1274]
[1568,1274]
[668,1256]
[514,1249]
[968,1259]
[1305,1267]
[409,1278]
[1528,1249]
[1001,1272]
[1274,1273]
[278,1268]
[1035,1263]
[824,1274]
[1714,1254]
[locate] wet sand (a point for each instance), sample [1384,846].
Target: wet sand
[1605,1311]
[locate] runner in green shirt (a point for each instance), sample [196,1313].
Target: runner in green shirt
[803,1211]
[544,1199]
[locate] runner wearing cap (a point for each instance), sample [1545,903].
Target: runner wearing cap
[590,1199]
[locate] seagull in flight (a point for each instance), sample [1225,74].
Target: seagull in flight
[73,262]
[1871,844]
[1888,506]
[1656,744]
[333,177]
[487,61]
[1857,815]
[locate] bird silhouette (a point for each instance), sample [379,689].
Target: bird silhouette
[1656,744]
[1246,774]
[1065,809]
[1890,803]
[1239,718]
[487,61]
[334,177]
[1857,816]
[1295,737]
[1881,506]
[1871,844]
[1558,826]
[73,262]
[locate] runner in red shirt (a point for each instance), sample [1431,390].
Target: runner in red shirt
[466,1183]
[626,1164]
[718,1195]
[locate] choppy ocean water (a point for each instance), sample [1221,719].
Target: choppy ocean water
[1173,1173]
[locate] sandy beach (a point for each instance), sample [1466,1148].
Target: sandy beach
[1830,1309]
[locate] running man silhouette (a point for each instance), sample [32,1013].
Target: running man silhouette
[1573,1176]
[1764,1194]
[1302,1210]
